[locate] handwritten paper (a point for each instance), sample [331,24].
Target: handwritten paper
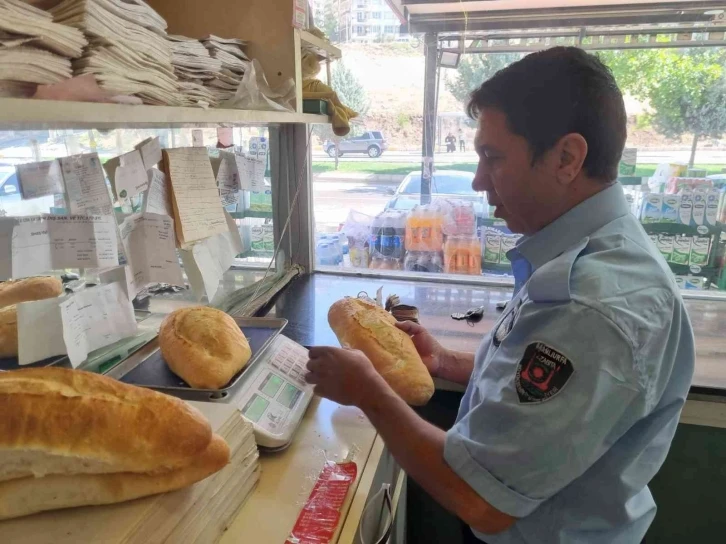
[41,315]
[86,185]
[157,195]
[127,174]
[40,179]
[150,152]
[95,318]
[150,251]
[198,213]
[251,173]
[206,261]
[197,137]
[228,179]
[52,242]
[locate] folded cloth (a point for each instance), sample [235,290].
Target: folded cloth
[340,114]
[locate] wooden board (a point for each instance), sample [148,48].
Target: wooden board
[199,513]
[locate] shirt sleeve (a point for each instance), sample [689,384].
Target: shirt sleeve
[545,406]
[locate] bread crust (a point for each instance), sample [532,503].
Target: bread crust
[28,289]
[63,421]
[8,332]
[203,346]
[25,496]
[364,326]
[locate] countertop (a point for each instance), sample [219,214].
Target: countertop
[305,301]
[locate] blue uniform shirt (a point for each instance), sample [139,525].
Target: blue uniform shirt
[576,391]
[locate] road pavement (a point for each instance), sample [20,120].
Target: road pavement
[332,200]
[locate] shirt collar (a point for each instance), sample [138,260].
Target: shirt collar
[571,227]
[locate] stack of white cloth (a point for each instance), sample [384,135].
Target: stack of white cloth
[33,49]
[128,51]
[234,64]
[194,66]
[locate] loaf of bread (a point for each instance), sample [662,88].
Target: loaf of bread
[358,324]
[28,289]
[8,332]
[69,422]
[203,346]
[25,496]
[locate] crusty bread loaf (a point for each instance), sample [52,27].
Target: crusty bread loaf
[25,496]
[61,421]
[203,346]
[28,289]
[361,325]
[8,332]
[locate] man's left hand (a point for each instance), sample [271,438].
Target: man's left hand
[345,376]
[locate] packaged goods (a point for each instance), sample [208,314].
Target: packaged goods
[671,208]
[699,250]
[699,208]
[665,245]
[492,247]
[652,208]
[713,198]
[685,214]
[507,243]
[681,250]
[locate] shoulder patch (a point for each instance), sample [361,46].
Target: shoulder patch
[541,374]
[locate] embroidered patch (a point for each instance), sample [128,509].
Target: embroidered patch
[506,324]
[541,374]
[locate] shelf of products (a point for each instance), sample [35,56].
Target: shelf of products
[251,213]
[322,47]
[23,113]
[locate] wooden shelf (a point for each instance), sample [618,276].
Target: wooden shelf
[321,47]
[22,113]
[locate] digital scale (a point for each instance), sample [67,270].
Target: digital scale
[270,391]
[273,395]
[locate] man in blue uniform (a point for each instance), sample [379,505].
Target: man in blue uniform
[573,398]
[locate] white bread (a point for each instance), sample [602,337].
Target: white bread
[8,332]
[203,346]
[61,421]
[25,496]
[369,328]
[29,289]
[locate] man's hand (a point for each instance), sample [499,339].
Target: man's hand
[432,353]
[345,376]
[455,366]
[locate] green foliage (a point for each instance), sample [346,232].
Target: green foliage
[403,120]
[349,89]
[329,24]
[474,70]
[685,89]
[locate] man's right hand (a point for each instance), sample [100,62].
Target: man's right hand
[432,353]
[455,366]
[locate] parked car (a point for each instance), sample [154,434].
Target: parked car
[372,143]
[11,201]
[444,184]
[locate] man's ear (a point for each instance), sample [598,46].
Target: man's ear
[572,149]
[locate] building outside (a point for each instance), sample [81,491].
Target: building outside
[362,21]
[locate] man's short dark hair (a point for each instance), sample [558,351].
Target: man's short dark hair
[555,92]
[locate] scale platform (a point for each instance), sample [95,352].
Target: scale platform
[270,391]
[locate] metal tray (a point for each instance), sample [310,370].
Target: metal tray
[11,363]
[147,367]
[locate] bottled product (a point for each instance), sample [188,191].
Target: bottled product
[388,234]
[358,256]
[475,257]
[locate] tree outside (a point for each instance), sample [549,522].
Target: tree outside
[685,89]
[351,93]
[474,70]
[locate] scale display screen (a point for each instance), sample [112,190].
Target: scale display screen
[255,407]
[271,385]
[289,396]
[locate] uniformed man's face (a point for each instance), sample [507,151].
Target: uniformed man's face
[518,189]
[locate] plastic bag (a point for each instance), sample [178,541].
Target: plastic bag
[255,93]
[459,218]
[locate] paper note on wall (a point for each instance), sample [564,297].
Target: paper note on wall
[40,315]
[85,185]
[150,251]
[150,152]
[207,260]
[228,179]
[157,195]
[251,173]
[38,179]
[198,213]
[53,242]
[127,174]
[95,318]
[123,276]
